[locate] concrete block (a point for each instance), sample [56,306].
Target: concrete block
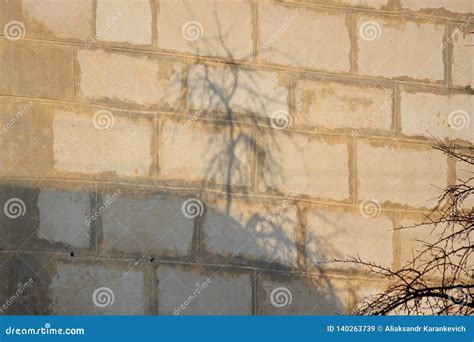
[195,291]
[252,230]
[36,70]
[302,164]
[438,116]
[206,28]
[406,49]
[95,289]
[206,153]
[58,19]
[83,145]
[123,22]
[335,105]
[111,77]
[237,90]
[400,174]
[303,37]
[146,224]
[63,216]
[301,296]
[341,236]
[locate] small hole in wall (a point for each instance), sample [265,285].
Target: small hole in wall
[152,259]
[71,254]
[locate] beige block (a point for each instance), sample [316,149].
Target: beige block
[60,19]
[206,27]
[26,144]
[301,164]
[463,56]
[145,224]
[280,295]
[336,105]
[204,153]
[393,49]
[123,21]
[196,291]
[464,173]
[252,230]
[414,239]
[303,38]
[62,217]
[438,116]
[460,6]
[237,90]
[125,148]
[400,175]
[36,70]
[129,79]
[97,289]
[342,236]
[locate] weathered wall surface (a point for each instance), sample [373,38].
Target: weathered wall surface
[210,157]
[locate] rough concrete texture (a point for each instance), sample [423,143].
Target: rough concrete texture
[392,48]
[290,165]
[252,231]
[120,21]
[106,76]
[36,70]
[196,291]
[329,36]
[190,26]
[336,105]
[63,20]
[93,287]
[145,224]
[400,175]
[63,217]
[462,67]
[234,89]
[341,236]
[148,146]
[448,116]
[206,153]
[102,150]
[299,296]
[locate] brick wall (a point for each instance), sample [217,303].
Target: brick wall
[210,157]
